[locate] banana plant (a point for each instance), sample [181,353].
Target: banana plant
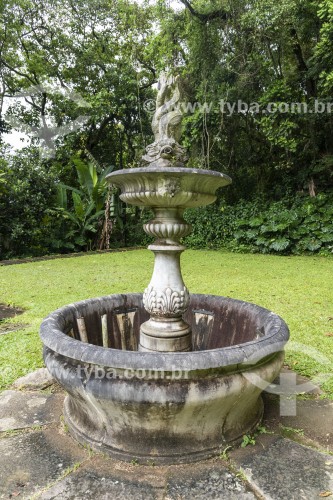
[87,202]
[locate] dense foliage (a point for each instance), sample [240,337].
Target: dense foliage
[88,68]
[300,225]
[25,193]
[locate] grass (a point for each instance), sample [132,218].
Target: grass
[300,289]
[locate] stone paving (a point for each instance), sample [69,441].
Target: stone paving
[40,460]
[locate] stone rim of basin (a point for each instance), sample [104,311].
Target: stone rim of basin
[181,187]
[250,352]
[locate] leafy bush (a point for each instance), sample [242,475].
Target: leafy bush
[26,191]
[214,226]
[290,226]
[35,218]
[32,223]
[305,226]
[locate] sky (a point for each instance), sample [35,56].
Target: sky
[174,4]
[16,139]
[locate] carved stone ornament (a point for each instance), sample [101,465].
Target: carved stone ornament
[171,231]
[166,125]
[167,303]
[167,150]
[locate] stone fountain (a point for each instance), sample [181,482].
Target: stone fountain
[165,376]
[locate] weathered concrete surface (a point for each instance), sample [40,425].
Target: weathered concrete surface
[210,480]
[104,478]
[308,413]
[39,379]
[312,425]
[91,486]
[32,461]
[20,410]
[302,382]
[280,469]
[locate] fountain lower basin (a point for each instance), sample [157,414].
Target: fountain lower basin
[163,407]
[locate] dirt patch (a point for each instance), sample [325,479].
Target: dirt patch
[11,328]
[7,312]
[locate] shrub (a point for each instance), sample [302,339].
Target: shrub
[300,225]
[26,194]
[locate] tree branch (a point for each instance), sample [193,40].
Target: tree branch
[217,14]
[297,49]
[152,70]
[302,66]
[147,85]
[148,66]
[17,72]
[92,139]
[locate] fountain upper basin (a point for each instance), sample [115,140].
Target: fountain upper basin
[157,186]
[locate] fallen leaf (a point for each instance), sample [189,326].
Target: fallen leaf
[329,334]
[328,463]
[325,494]
[330,319]
[15,493]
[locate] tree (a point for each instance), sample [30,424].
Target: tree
[95,50]
[260,51]
[100,59]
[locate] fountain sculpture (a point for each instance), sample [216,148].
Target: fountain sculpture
[164,376]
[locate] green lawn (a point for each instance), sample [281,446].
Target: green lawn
[300,289]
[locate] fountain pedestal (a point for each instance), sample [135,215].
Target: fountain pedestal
[166,298]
